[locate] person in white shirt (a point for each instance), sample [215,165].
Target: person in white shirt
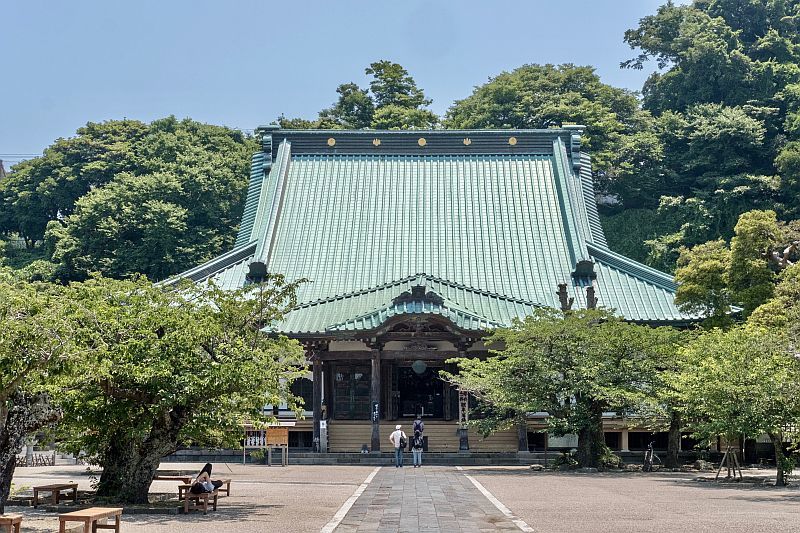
[397,438]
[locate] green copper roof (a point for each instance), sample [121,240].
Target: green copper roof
[488,235]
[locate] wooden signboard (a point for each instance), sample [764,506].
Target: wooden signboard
[277,436]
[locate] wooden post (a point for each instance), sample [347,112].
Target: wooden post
[375,397]
[623,441]
[522,434]
[317,391]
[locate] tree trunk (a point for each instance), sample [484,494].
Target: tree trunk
[591,442]
[129,465]
[777,443]
[672,459]
[522,433]
[127,472]
[27,413]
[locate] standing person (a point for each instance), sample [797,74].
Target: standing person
[419,425]
[416,448]
[398,439]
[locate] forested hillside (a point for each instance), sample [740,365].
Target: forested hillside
[713,134]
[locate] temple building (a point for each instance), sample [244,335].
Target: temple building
[415,245]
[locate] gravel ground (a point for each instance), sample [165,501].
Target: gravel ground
[304,498]
[660,502]
[291,499]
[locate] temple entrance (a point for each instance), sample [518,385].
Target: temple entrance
[421,391]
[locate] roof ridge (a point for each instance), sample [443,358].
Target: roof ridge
[642,271]
[455,307]
[400,281]
[214,265]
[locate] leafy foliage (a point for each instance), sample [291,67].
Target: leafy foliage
[713,277]
[35,343]
[170,368]
[393,101]
[702,275]
[575,366]
[725,103]
[540,96]
[125,197]
[741,381]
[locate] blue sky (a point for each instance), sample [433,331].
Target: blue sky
[243,63]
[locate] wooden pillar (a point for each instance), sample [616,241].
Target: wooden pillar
[623,440]
[387,368]
[448,414]
[463,406]
[375,397]
[316,369]
[522,434]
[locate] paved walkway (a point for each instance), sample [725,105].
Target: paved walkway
[424,499]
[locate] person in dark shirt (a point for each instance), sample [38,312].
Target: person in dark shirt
[416,448]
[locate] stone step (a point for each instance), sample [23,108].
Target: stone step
[384,458]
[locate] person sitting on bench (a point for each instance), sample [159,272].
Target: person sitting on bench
[204,483]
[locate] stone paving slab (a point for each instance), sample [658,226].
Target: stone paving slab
[424,500]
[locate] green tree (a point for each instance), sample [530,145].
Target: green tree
[751,279]
[172,201]
[575,366]
[743,381]
[712,278]
[34,343]
[725,100]
[392,85]
[45,188]
[353,110]
[702,278]
[788,164]
[540,96]
[393,101]
[162,368]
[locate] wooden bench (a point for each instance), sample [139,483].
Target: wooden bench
[89,517]
[226,486]
[55,492]
[10,522]
[183,479]
[185,495]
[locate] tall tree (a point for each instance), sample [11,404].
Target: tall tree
[163,368]
[703,282]
[353,110]
[540,96]
[393,101]
[46,188]
[713,278]
[751,279]
[392,85]
[171,199]
[725,100]
[575,366]
[34,344]
[743,381]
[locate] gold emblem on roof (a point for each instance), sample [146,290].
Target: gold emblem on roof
[376,142]
[422,141]
[467,141]
[331,141]
[512,141]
